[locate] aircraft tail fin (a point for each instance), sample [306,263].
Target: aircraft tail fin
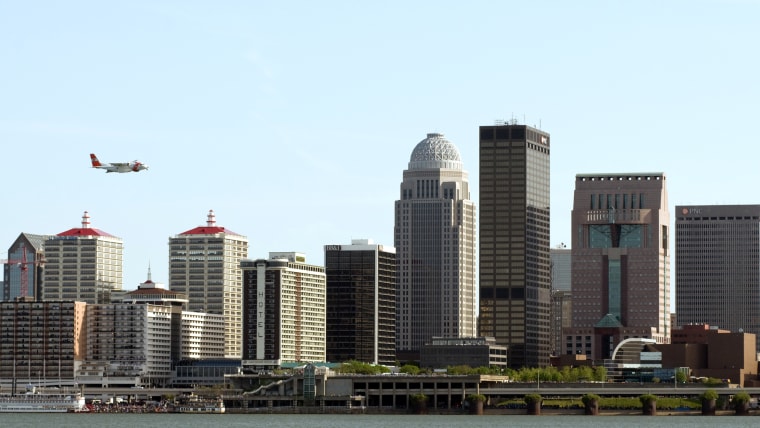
[95,161]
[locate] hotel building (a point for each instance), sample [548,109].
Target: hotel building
[284,311]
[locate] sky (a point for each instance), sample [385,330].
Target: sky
[294,120]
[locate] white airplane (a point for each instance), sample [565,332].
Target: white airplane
[117,167]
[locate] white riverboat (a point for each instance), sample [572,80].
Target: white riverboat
[36,401]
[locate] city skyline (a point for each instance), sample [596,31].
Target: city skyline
[220,100]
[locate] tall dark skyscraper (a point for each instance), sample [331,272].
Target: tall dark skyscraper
[515,265]
[718,266]
[361,302]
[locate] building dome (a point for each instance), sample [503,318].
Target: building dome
[436,152]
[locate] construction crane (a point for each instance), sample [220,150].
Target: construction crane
[23,264]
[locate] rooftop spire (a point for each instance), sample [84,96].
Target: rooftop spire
[85,220]
[211,222]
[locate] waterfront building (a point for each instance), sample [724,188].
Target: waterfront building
[443,352]
[202,336]
[284,311]
[82,264]
[204,264]
[40,342]
[23,268]
[127,344]
[620,262]
[361,302]
[515,263]
[718,266]
[195,335]
[710,352]
[435,238]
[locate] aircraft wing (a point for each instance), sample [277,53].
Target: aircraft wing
[117,164]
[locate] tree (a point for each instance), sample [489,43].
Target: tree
[600,374]
[709,394]
[359,367]
[741,403]
[409,369]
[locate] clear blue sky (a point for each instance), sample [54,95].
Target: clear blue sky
[293,120]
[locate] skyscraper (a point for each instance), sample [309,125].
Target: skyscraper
[620,262]
[515,266]
[562,301]
[204,264]
[718,266]
[361,302]
[284,305]
[23,270]
[82,264]
[434,236]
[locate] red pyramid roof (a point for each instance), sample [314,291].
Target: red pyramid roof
[81,231]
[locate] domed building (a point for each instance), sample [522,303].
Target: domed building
[435,226]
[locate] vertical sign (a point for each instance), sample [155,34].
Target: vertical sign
[261,271]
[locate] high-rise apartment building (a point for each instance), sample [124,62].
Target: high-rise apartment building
[82,264]
[204,264]
[515,265]
[41,342]
[620,262]
[361,302]
[718,266]
[434,236]
[129,343]
[284,310]
[194,335]
[23,269]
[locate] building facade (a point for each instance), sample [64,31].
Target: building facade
[620,262]
[41,342]
[361,302]
[561,298]
[515,265]
[284,305]
[127,344]
[442,352]
[435,238]
[204,264]
[202,336]
[82,264]
[718,266]
[22,272]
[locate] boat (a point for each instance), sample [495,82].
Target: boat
[36,401]
[200,407]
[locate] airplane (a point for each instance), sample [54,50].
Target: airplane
[117,167]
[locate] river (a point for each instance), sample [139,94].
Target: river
[50,420]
